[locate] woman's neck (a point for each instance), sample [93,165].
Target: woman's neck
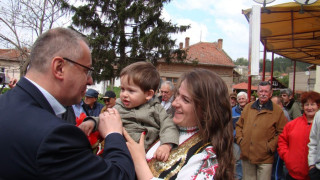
[310,119]
[188,129]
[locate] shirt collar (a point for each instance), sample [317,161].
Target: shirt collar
[56,106]
[258,106]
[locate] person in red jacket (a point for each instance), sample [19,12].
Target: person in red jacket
[293,141]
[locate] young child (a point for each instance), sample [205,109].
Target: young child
[141,112]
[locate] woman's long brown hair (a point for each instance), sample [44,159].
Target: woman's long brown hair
[211,100]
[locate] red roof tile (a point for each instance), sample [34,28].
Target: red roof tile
[208,53]
[244,86]
[10,54]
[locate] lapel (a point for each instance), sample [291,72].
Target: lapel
[35,94]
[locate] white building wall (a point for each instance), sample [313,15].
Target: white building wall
[317,84]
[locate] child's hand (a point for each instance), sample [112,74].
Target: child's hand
[87,127]
[12,83]
[163,152]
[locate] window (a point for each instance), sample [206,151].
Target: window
[172,79]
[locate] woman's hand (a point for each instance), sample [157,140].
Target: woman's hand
[139,156]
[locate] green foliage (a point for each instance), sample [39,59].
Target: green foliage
[115,90]
[254,94]
[285,80]
[283,65]
[126,31]
[4,90]
[276,93]
[241,62]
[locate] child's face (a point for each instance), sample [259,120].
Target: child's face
[131,95]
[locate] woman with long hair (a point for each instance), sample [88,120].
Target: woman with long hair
[203,117]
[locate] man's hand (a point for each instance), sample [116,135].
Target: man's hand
[87,126]
[110,122]
[163,152]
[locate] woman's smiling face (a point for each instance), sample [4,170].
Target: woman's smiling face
[185,115]
[310,108]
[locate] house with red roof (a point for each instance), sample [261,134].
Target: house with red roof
[243,87]
[10,62]
[206,55]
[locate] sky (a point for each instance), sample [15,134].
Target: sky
[211,20]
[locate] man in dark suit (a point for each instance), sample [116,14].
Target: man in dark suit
[35,142]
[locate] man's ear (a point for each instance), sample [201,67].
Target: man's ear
[57,67]
[149,94]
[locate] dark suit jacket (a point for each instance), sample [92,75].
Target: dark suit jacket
[35,144]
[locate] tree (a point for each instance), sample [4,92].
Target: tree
[283,65]
[241,61]
[123,32]
[285,80]
[22,21]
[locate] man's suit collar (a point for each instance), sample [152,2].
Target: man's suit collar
[35,93]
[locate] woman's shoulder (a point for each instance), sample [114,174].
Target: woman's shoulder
[296,122]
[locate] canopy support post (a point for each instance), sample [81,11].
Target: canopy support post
[272,61]
[264,61]
[294,77]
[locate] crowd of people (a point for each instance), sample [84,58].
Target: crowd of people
[192,130]
[274,136]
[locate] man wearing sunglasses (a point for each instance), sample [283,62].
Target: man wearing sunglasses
[35,142]
[109,100]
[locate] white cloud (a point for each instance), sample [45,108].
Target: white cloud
[197,31]
[215,19]
[192,4]
[235,37]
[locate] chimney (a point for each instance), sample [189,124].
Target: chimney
[187,42]
[181,45]
[220,44]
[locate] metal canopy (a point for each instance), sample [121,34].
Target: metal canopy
[291,30]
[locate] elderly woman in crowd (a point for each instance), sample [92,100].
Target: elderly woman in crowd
[205,148]
[242,98]
[293,141]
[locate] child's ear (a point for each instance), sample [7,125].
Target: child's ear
[149,94]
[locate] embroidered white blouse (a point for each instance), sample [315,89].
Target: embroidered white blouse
[201,165]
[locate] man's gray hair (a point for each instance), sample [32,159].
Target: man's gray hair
[265,83]
[55,42]
[287,91]
[242,94]
[168,83]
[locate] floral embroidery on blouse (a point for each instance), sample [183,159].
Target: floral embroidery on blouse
[209,165]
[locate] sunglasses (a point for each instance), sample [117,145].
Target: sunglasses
[106,100]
